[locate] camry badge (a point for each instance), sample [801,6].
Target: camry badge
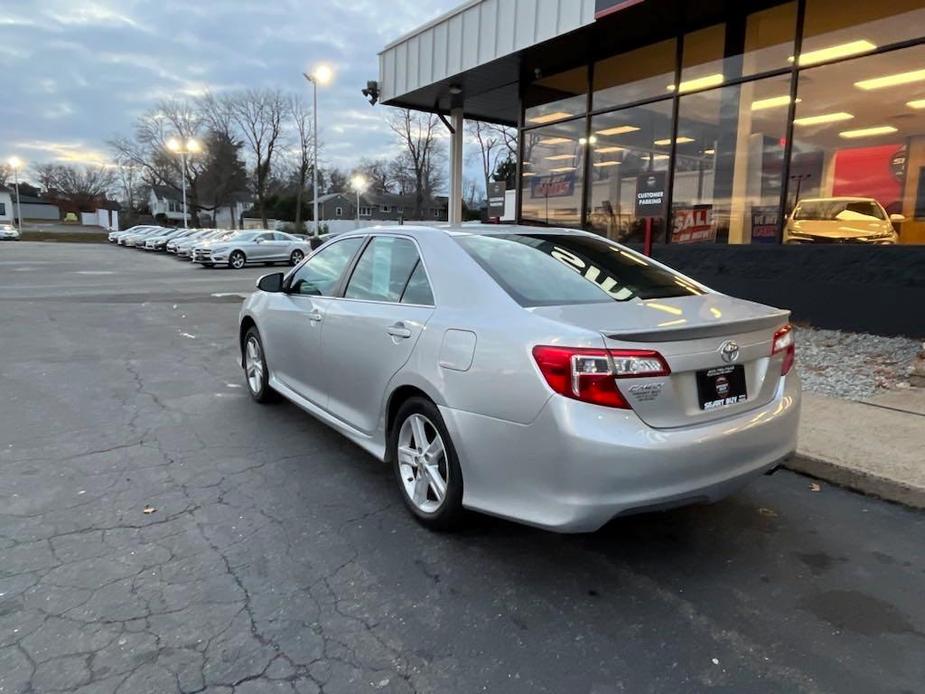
[729,351]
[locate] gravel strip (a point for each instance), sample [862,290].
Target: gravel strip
[854,366]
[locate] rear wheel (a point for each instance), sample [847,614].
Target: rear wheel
[256,372]
[425,465]
[296,257]
[237,260]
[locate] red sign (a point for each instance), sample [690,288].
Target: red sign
[871,172]
[693,224]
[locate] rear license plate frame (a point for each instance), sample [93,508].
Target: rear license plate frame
[721,386]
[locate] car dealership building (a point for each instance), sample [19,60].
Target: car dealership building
[696,121]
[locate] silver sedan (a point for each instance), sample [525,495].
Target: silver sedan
[249,247]
[547,376]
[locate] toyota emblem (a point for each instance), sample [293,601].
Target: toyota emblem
[729,351]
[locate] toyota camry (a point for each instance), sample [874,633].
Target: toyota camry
[547,376]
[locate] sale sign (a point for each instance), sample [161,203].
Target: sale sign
[693,224]
[553,186]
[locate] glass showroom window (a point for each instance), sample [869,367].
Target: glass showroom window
[645,73]
[629,171]
[834,29]
[729,162]
[556,97]
[859,132]
[551,190]
[769,37]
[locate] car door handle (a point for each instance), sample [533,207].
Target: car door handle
[399,330]
[315,316]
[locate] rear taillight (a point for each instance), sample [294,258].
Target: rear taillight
[590,375]
[785,342]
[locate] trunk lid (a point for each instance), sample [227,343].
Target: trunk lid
[689,332]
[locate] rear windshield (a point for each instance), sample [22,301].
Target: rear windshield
[559,269]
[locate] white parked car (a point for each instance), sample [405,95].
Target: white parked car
[9,233]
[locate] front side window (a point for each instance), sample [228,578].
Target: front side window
[320,275]
[383,270]
[562,269]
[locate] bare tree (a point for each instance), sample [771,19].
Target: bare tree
[379,174]
[490,148]
[84,186]
[300,115]
[6,173]
[258,113]
[129,180]
[416,131]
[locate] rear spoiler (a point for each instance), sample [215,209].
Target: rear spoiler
[679,332]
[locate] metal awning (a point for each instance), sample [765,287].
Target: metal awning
[476,47]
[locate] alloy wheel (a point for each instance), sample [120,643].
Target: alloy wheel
[296,257]
[237,260]
[254,366]
[422,463]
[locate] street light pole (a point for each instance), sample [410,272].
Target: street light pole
[315,156]
[15,164]
[191,146]
[359,185]
[321,74]
[183,178]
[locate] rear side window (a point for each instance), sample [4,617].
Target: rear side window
[560,269]
[418,289]
[320,275]
[383,270]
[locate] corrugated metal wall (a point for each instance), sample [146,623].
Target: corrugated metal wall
[476,34]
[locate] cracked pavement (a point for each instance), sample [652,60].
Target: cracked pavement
[275,556]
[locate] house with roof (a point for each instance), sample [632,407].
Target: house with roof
[380,207]
[7,211]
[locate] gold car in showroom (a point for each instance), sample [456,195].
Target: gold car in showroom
[841,220]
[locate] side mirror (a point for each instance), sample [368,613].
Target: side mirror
[896,218]
[272,283]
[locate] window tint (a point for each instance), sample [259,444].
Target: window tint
[383,270]
[418,289]
[558,269]
[319,276]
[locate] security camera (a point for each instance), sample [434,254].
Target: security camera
[371,92]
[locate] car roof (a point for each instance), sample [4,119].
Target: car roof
[469,229]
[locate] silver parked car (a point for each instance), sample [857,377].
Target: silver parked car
[9,233]
[114,236]
[138,238]
[184,248]
[158,242]
[246,247]
[547,376]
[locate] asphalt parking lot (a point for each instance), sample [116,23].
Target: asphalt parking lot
[160,532]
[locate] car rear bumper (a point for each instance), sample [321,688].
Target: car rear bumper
[577,466]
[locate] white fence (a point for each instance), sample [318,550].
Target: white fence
[108,219]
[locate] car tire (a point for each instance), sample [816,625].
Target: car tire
[415,475]
[237,260]
[296,257]
[256,371]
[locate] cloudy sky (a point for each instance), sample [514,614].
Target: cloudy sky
[77,72]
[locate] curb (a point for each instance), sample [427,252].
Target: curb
[858,480]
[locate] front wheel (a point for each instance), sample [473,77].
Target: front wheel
[296,257]
[255,368]
[426,466]
[237,260]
